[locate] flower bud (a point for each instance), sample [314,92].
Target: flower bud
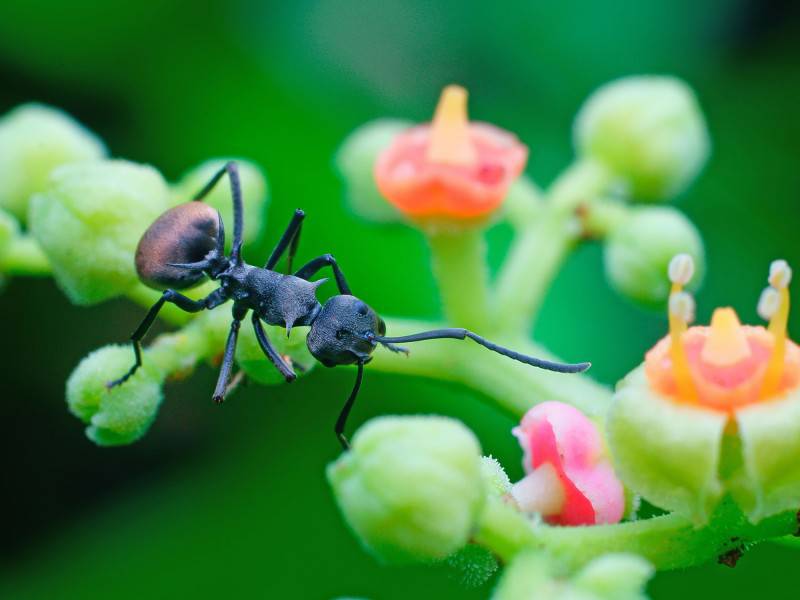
[639,250]
[292,348]
[34,139]
[8,229]
[254,194]
[472,565]
[648,130]
[569,479]
[495,478]
[89,222]
[533,574]
[119,415]
[355,162]
[410,487]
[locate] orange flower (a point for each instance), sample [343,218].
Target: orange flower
[726,365]
[713,411]
[450,168]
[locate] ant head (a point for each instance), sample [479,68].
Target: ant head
[341,334]
[181,247]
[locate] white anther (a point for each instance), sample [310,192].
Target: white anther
[780,274]
[681,269]
[768,303]
[681,305]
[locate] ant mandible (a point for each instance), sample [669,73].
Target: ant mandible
[187,243]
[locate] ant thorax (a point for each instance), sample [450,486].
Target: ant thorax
[279,299]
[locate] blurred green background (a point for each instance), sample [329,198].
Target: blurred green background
[231,501]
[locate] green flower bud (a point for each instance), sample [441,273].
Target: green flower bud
[494,477]
[8,229]
[615,576]
[638,251]
[410,487]
[119,415]
[611,577]
[648,130]
[257,366]
[254,194]
[473,565]
[34,139]
[355,162]
[89,222]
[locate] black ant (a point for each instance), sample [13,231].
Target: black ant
[186,244]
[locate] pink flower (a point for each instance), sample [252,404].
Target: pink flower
[569,478]
[450,168]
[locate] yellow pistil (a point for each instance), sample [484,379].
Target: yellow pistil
[681,269]
[779,277]
[450,141]
[726,344]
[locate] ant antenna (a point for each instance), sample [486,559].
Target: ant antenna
[460,334]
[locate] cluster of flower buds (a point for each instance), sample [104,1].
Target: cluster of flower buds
[414,488]
[645,138]
[85,214]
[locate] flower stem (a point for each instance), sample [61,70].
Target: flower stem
[541,247]
[459,265]
[24,257]
[668,541]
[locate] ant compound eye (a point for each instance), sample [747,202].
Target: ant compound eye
[381,327]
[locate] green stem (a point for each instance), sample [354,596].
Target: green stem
[459,265]
[24,257]
[513,386]
[668,542]
[541,247]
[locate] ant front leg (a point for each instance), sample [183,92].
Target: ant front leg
[238,212]
[268,349]
[213,300]
[314,266]
[341,422]
[239,313]
[290,239]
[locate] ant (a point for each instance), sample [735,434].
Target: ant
[187,243]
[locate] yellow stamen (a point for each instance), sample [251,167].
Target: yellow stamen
[450,141]
[777,327]
[726,343]
[681,269]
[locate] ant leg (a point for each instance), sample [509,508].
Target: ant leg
[213,300]
[227,358]
[238,212]
[345,412]
[275,358]
[314,266]
[290,239]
